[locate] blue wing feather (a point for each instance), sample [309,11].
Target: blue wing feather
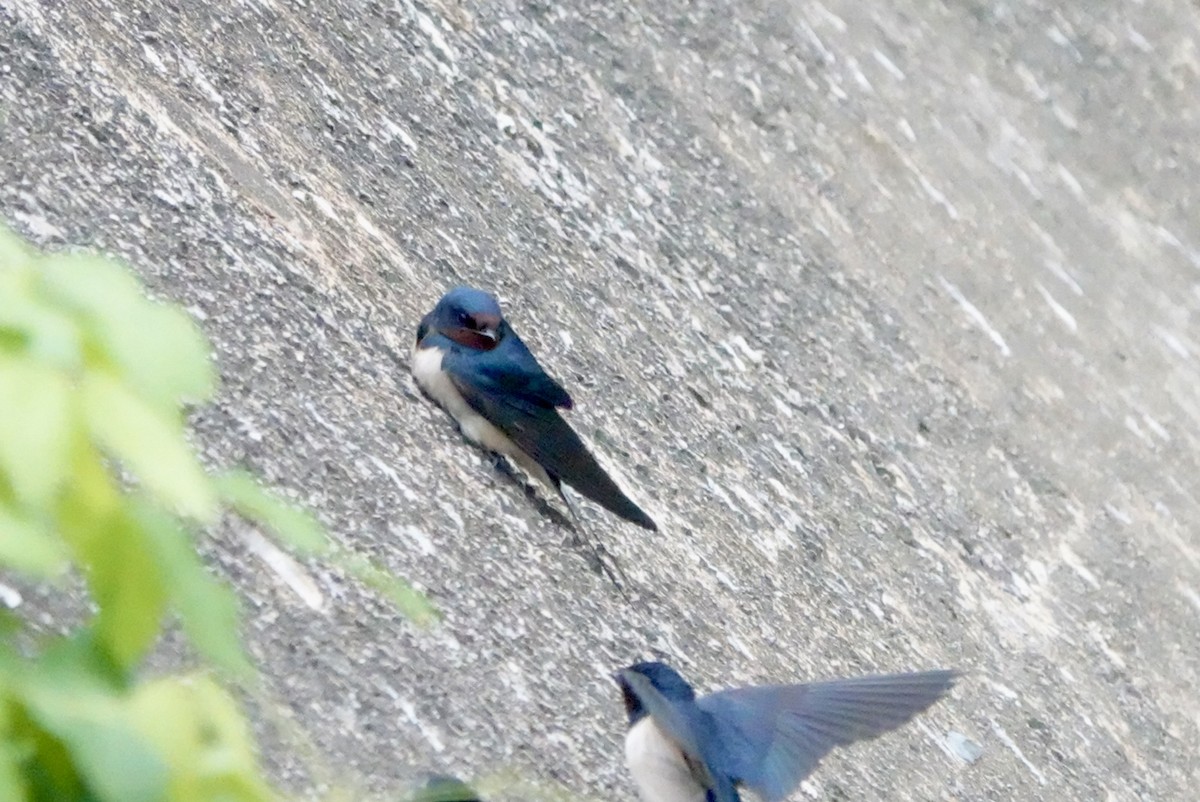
[512,370]
[772,737]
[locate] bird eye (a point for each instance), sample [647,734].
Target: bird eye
[466,320]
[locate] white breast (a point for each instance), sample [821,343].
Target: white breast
[427,371]
[658,767]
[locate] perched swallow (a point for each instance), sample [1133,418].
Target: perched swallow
[441,788]
[768,738]
[469,360]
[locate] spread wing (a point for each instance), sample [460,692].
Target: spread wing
[774,736]
[508,387]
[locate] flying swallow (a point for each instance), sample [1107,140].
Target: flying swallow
[684,748]
[470,361]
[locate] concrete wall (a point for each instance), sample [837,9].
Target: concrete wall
[885,312]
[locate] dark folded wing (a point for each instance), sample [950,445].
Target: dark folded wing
[511,368]
[520,399]
[774,736]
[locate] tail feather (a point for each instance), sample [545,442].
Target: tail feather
[584,474]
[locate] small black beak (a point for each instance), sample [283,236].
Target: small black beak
[488,326]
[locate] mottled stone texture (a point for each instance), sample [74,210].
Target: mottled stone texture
[884,310]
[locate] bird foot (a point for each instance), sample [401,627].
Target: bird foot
[506,469]
[600,560]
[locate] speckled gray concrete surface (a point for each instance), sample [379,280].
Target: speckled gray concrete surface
[885,314]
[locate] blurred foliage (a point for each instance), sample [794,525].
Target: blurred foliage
[97,477]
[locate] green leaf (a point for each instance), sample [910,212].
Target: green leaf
[91,499]
[207,609]
[31,325]
[163,354]
[14,750]
[116,761]
[113,550]
[409,601]
[296,527]
[443,789]
[35,429]
[204,738]
[14,251]
[150,444]
[160,353]
[10,624]
[91,284]
[50,770]
[130,591]
[12,785]
[30,547]
[159,349]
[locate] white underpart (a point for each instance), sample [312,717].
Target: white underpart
[658,768]
[427,370]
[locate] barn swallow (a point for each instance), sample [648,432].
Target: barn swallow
[684,748]
[469,360]
[441,788]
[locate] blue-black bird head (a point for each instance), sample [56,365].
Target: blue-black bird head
[468,316]
[665,680]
